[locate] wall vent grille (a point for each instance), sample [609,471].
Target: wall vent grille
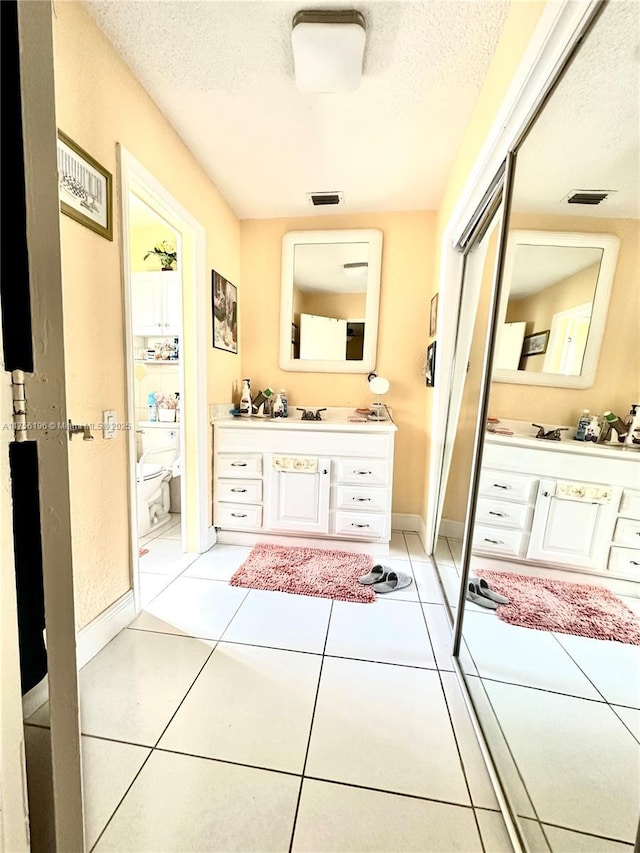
[587,197]
[325,198]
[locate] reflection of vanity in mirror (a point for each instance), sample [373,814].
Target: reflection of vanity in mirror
[330,300]
[553,677]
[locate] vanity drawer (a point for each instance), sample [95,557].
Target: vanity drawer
[238,464]
[510,542]
[630,503]
[232,516]
[504,514]
[512,487]
[362,524]
[361,498]
[373,472]
[240,491]
[627,532]
[625,561]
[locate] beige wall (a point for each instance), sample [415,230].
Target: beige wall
[617,382]
[99,103]
[407,265]
[343,306]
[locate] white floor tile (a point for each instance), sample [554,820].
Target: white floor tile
[152,585]
[219,563]
[179,803]
[566,841]
[282,621]
[631,718]
[440,634]
[582,770]
[193,607]
[427,582]
[455,546]
[494,832]
[533,835]
[482,793]
[443,555]
[450,581]
[385,727]
[338,818]
[386,631]
[165,557]
[398,547]
[632,603]
[108,768]
[249,705]
[130,690]
[415,546]
[613,667]
[172,532]
[409,593]
[523,656]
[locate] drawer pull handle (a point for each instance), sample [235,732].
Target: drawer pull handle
[238,490]
[238,515]
[494,541]
[363,473]
[499,514]
[500,486]
[362,500]
[634,563]
[355,524]
[238,464]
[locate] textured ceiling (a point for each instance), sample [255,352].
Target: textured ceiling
[222,73]
[537,267]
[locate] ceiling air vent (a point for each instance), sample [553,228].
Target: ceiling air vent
[319,199]
[587,197]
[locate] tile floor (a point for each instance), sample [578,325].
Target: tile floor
[232,719]
[570,709]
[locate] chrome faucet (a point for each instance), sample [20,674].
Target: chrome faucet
[550,435]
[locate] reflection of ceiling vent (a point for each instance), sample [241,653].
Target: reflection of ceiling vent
[587,196]
[317,199]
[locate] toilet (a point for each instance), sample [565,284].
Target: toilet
[159,463]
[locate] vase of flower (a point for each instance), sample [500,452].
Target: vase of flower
[167,254]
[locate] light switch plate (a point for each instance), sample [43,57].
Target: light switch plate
[109,424]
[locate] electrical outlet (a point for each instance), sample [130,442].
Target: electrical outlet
[109,424]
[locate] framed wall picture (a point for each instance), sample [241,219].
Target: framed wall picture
[536,344]
[84,187]
[224,299]
[430,372]
[433,316]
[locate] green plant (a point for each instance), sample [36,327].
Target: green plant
[166,251]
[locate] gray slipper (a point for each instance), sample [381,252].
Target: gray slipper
[486,590]
[394,580]
[377,574]
[474,595]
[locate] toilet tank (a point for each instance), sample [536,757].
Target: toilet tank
[156,435]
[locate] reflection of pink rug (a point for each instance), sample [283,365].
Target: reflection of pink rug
[569,608]
[306,571]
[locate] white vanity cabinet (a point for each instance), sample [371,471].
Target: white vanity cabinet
[156,303]
[560,506]
[292,478]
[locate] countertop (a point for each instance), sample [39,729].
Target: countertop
[334,418]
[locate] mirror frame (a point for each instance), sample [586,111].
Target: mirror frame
[367,364]
[609,243]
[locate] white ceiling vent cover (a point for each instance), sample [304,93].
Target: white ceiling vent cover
[325,198]
[328,49]
[588,197]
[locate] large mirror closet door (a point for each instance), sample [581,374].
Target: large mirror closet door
[548,580]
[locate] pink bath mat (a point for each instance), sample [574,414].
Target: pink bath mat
[306,571]
[565,607]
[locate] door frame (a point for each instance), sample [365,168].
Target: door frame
[196,535]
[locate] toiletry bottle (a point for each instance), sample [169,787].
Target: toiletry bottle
[618,425]
[285,403]
[278,410]
[177,407]
[153,409]
[245,399]
[633,425]
[583,423]
[592,432]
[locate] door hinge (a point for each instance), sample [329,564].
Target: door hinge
[19,405]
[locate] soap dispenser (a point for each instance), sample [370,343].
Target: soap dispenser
[583,424]
[245,399]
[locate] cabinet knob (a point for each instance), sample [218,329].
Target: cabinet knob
[362,500]
[324,471]
[355,524]
[238,514]
[546,494]
[494,541]
[500,486]
[499,514]
[238,464]
[239,490]
[363,473]
[634,563]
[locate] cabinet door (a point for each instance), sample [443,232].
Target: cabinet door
[146,303]
[171,303]
[299,501]
[572,531]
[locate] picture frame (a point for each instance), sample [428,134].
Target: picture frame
[535,344]
[224,306]
[430,366]
[85,187]
[433,316]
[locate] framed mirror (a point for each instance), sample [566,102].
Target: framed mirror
[554,306]
[329,300]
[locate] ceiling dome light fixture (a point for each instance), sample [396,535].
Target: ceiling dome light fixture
[328,48]
[356,269]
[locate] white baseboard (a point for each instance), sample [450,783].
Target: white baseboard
[454,529]
[95,636]
[405,521]
[239,537]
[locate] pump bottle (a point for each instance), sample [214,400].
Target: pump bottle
[245,399]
